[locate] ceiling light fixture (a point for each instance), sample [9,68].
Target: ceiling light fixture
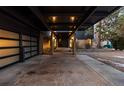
[54,18]
[72,18]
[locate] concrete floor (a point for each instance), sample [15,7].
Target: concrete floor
[60,69]
[111,57]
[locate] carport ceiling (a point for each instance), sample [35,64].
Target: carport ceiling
[59,18]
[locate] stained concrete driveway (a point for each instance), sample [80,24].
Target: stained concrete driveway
[60,69]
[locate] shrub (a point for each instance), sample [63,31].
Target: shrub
[118,43]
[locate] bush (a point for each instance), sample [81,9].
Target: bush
[118,43]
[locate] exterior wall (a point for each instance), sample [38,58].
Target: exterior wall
[48,43]
[83,43]
[80,43]
[72,43]
[46,46]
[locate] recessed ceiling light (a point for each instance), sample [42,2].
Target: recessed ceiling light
[72,18]
[54,18]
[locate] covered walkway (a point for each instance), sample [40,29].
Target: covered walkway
[42,40]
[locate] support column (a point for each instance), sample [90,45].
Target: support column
[56,43]
[51,43]
[74,45]
[41,44]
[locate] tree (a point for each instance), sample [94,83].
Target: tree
[106,28]
[111,28]
[118,39]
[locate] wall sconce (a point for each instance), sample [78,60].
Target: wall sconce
[53,37]
[72,37]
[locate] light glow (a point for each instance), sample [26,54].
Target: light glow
[70,43]
[72,38]
[72,18]
[53,37]
[54,18]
